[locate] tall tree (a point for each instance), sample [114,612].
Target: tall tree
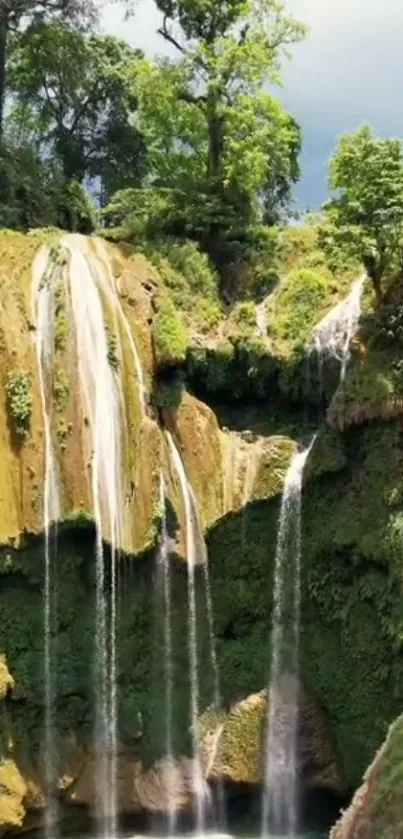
[364,219]
[214,135]
[73,94]
[16,13]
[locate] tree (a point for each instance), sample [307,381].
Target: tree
[72,94]
[364,220]
[224,146]
[17,13]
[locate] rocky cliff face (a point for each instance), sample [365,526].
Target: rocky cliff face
[238,404]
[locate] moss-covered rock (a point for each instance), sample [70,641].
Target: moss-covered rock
[232,744]
[376,811]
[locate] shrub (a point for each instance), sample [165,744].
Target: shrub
[208,313]
[245,317]
[19,402]
[299,305]
[169,333]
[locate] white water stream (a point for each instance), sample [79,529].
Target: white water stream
[102,394]
[198,783]
[280,781]
[168,664]
[332,335]
[44,278]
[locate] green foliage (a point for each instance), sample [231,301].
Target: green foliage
[365,219]
[169,334]
[85,123]
[27,190]
[220,147]
[61,390]
[298,304]
[19,402]
[244,316]
[76,210]
[113,349]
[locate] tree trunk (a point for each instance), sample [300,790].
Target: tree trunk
[375,273]
[3,60]
[215,141]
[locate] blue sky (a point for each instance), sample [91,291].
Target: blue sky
[349,70]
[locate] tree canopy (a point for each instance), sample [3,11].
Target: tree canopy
[364,218]
[73,97]
[225,148]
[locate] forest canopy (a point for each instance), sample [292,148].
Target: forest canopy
[197,146]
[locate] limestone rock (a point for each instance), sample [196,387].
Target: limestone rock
[12,793]
[6,680]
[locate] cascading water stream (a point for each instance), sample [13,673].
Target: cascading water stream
[331,338]
[280,781]
[44,279]
[332,335]
[212,643]
[102,394]
[198,784]
[165,562]
[109,287]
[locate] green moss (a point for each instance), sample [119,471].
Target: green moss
[63,432]
[169,334]
[244,316]
[386,799]
[113,356]
[208,313]
[61,320]
[61,389]
[373,388]
[19,402]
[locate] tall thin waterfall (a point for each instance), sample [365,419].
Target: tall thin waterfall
[165,561]
[198,784]
[332,336]
[44,306]
[103,398]
[280,782]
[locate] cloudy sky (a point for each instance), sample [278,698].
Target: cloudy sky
[349,70]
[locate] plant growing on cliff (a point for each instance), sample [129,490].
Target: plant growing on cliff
[170,338]
[365,218]
[19,402]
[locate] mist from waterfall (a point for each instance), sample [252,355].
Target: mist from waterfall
[164,559]
[332,336]
[103,398]
[44,281]
[279,810]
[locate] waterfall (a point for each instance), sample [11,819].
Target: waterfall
[280,780]
[198,784]
[44,280]
[332,336]
[109,287]
[165,562]
[102,393]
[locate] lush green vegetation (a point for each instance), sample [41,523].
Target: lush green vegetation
[19,402]
[365,219]
[170,339]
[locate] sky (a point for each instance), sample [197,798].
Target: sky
[348,71]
